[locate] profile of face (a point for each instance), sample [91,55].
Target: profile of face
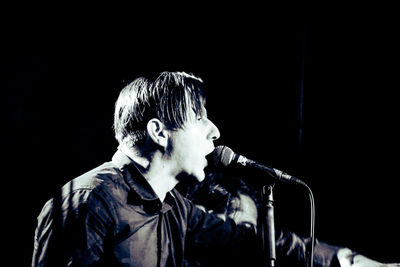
[189,145]
[243,210]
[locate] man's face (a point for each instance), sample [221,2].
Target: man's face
[244,210]
[189,146]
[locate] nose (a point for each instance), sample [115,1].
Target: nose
[213,133]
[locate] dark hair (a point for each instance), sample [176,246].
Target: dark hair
[168,98]
[216,192]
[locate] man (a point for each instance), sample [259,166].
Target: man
[126,212]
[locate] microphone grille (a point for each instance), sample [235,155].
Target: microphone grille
[222,156]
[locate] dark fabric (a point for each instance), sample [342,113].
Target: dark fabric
[293,250]
[110,216]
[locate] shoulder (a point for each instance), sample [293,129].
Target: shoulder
[100,188]
[104,181]
[103,175]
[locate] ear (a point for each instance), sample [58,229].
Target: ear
[157,132]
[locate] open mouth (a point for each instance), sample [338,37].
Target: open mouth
[211,151]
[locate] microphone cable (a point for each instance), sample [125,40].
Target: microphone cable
[278,173]
[312,224]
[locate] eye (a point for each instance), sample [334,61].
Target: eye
[199,117]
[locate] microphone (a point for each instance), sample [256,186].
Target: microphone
[223,156]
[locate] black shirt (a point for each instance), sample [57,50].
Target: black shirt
[110,216]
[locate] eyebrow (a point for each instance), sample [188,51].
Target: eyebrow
[205,111]
[202,111]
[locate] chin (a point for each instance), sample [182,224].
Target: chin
[201,177]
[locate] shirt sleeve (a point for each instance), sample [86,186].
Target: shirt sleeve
[227,243]
[72,232]
[222,241]
[292,250]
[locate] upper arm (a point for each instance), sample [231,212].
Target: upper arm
[72,230]
[208,230]
[220,240]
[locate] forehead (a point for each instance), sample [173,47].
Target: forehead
[247,204]
[195,110]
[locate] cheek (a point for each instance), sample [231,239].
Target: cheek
[188,151]
[191,142]
[183,150]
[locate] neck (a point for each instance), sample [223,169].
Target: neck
[155,170]
[161,185]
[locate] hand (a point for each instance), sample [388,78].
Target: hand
[348,258]
[362,261]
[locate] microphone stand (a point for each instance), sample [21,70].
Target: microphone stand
[268,226]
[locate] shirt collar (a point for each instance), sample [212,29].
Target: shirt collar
[133,177]
[138,184]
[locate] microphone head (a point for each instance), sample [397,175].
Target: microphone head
[222,156]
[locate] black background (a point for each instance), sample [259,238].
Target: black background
[62,78]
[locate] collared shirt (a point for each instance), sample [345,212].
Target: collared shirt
[110,216]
